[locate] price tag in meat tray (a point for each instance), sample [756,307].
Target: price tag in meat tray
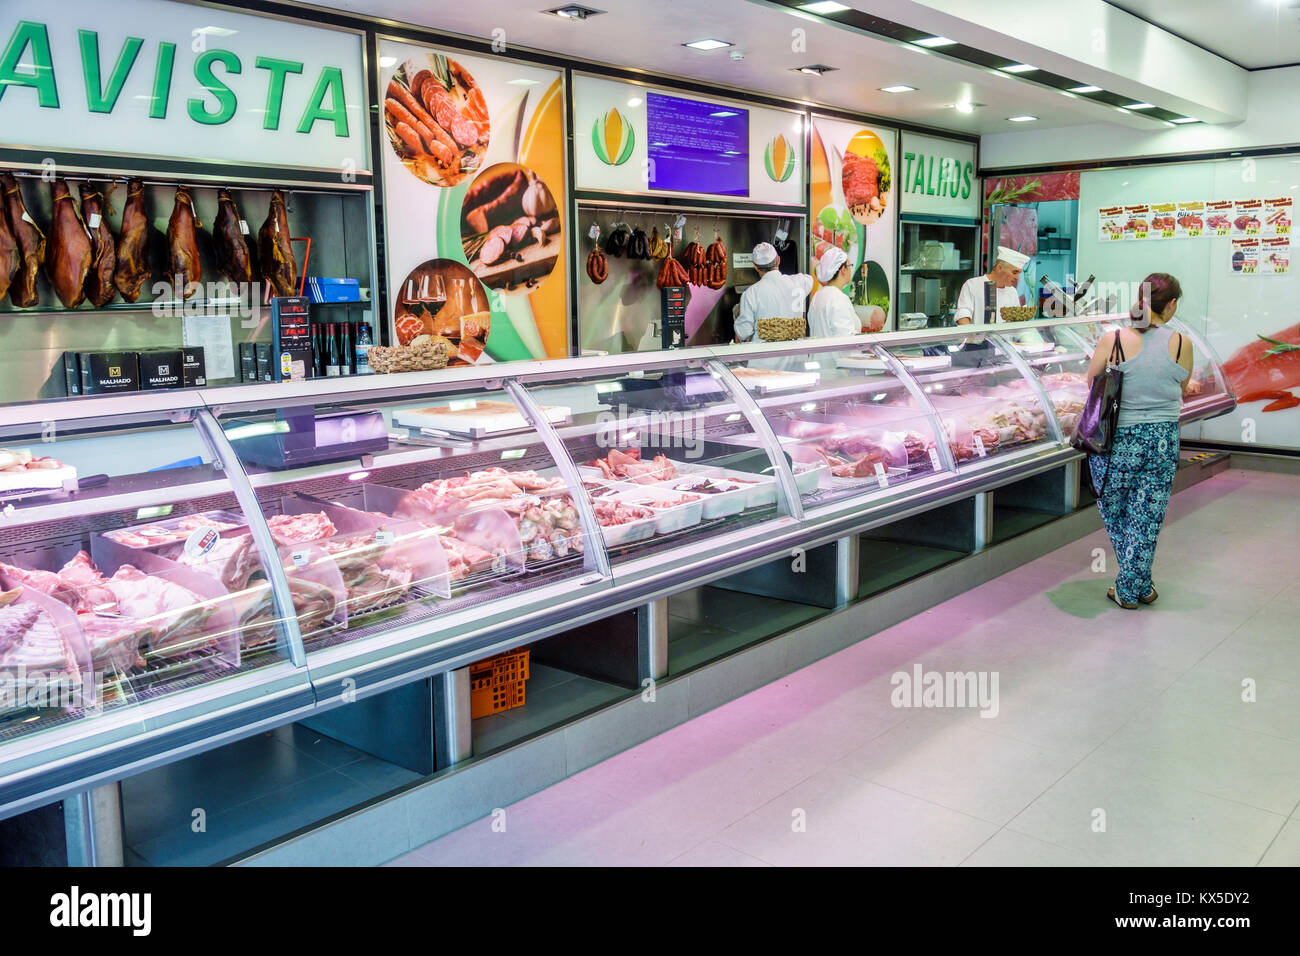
[384,538]
[934,460]
[979,446]
[299,559]
[882,477]
[201,541]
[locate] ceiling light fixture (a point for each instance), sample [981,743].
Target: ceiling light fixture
[815,69]
[1019,68]
[1139,106]
[1085,89]
[964,107]
[1022,119]
[823,7]
[932,42]
[708,44]
[573,11]
[900,88]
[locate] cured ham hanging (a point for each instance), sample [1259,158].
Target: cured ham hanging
[133,270]
[10,259]
[183,266]
[67,261]
[31,244]
[275,255]
[234,259]
[103,252]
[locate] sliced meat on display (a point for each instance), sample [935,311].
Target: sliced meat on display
[302,527]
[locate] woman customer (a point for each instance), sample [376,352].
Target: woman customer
[1137,477]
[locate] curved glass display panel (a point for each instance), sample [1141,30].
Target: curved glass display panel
[986,406]
[847,422]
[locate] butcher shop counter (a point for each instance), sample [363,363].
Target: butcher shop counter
[261,554]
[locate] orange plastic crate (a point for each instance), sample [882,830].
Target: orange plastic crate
[496,698]
[501,669]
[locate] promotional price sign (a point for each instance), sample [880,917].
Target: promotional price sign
[1245,257]
[1275,256]
[1190,220]
[1110,223]
[1246,219]
[1137,221]
[1277,216]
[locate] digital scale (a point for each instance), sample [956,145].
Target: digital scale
[672,323]
[302,436]
[291,338]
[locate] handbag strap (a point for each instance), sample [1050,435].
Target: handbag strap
[1115,349]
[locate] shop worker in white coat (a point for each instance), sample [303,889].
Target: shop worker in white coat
[773,296]
[995,290]
[831,312]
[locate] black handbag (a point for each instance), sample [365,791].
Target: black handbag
[1094,432]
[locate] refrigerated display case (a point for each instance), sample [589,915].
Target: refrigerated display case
[225,561]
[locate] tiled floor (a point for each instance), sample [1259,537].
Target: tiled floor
[1166,735]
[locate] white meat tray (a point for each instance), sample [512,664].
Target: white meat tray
[669,519]
[474,419]
[618,535]
[719,505]
[767,381]
[914,363]
[36,478]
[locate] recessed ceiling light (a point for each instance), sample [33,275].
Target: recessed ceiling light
[932,42]
[573,11]
[1184,119]
[1019,68]
[387,61]
[900,88]
[1085,89]
[1022,119]
[815,69]
[1139,106]
[707,44]
[823,6]
[964,107]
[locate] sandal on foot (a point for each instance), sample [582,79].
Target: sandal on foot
[1110,594]
[1150,597]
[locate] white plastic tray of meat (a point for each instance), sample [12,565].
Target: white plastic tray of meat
[674,510]
[174,530]
[629,466]
[623,523]
[719,497]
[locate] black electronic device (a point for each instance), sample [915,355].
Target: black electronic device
[302,436]
[291,340]
[672,321]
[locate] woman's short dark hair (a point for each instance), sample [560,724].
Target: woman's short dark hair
[1156,292]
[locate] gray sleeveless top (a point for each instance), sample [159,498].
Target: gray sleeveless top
[1152,381]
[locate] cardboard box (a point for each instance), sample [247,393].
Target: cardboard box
[71,374]
[247,362]
[194,369]
[159,368]
[106,372]
[265,356]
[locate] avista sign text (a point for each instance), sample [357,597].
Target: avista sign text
[27,68]
[926,174]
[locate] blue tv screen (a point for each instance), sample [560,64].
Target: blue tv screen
[697,147]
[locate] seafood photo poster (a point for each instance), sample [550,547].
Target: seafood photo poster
[474,204]
[855,205]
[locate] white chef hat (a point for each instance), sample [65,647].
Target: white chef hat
[829,264]
[1011,257]
[764,254]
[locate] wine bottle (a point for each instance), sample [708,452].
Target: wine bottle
[345,348]
[332,350]
[318,350]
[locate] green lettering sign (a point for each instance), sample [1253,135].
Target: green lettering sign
[331,82]
[918,183]
[966,173]
[275,89]
[225,97]
[907,171]
[42,76]
[98,99]
[162,80]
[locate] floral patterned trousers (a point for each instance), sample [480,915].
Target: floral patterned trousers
[1141,466]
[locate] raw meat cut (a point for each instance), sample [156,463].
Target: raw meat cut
[31,244]
[232,561]
[1019,229]
[860,179]
[275,254]
[133,269]
[628,466]
[103,252]
[114,642]
[47,582]
[183,266]
[304,527]
[29,639]
[10,258]
[1250,369]
[234,260]
[611,513]
[173,613]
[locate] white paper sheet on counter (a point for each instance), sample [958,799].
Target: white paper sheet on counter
[212,334]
